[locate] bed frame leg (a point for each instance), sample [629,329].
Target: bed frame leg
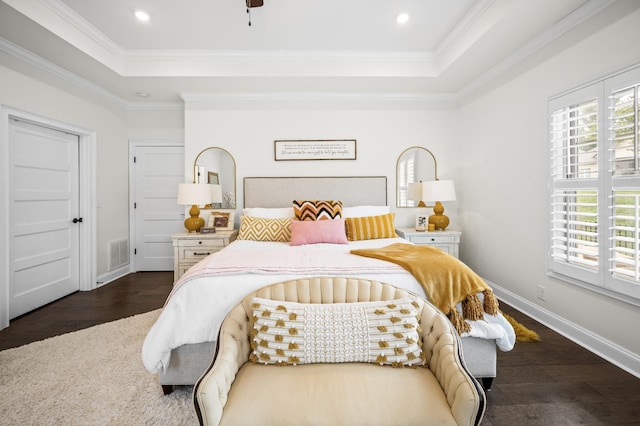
[167,389]
[487,382]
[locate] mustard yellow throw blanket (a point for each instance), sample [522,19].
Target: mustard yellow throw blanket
[445,279]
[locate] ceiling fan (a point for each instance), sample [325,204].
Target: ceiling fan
[251,4]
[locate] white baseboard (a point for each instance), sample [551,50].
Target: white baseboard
[600,346]
[112,275]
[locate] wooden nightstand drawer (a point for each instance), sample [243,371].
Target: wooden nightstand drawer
[195,244]
[182,268]
[189,249]
[447,241]
[197,253]
[432,239]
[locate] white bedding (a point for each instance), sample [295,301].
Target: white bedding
[203,296]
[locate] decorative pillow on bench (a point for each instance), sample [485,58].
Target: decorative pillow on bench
[382,332]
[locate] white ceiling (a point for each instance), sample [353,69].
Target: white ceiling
[292,46]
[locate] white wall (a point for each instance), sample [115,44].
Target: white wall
[23,93]
[381,134]
[113,125]
[502,189]
[162,123]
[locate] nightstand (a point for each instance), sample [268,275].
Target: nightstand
[447,241]
[191,248]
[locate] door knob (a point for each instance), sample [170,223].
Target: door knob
[77,219]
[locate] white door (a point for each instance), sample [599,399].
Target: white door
[158,170]
[43,203]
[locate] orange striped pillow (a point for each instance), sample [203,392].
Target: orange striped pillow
[370,227]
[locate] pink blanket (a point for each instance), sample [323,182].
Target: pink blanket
[305,262]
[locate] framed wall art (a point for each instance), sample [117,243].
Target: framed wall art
[295,150]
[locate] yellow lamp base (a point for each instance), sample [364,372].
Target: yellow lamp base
[438,219]
[195,222]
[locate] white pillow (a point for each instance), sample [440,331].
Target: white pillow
[362,211]
[269,213]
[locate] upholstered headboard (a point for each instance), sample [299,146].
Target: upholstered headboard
[281,191]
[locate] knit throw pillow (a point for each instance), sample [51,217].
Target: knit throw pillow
[382,332]
[317,209]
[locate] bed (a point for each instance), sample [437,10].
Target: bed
[180,345]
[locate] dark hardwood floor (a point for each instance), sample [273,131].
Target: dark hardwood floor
[131,295]
[551,382]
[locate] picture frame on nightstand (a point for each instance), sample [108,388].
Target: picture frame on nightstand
[222,221]
[422,222]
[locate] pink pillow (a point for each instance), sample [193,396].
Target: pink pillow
[318,231]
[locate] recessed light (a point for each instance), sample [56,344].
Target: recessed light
[142,15]
[402,18]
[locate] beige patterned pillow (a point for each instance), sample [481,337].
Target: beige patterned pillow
[263,229]
[383,332]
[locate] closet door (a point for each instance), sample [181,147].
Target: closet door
[43,216]
[157,172]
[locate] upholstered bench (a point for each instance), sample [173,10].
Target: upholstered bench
[268,370]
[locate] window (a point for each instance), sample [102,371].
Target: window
[594,186]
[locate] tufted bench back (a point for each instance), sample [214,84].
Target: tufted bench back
[440,392]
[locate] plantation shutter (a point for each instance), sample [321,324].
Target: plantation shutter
[594,186]
[625,210]
[573,139]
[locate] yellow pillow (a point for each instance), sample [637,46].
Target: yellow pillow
[370,227]
[263,229]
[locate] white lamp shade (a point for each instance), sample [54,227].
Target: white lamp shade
[438,190]
[216,193]
[415,191]
[193,193]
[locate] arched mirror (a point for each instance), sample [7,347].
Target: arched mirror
[414,165]
[216,166]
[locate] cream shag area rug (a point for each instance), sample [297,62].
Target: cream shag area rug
[89,377]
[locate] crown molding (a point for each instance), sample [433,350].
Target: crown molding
[561,27]
[78,22]
[479,19]
[155,106]
[477,10]
[319,96]
[61,73]
[321,99]
[53,69]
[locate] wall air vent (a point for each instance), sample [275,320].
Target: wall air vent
[118,253]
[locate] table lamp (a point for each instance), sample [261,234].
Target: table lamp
[216,197]
[415,193]
[194,194]
[439,190]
